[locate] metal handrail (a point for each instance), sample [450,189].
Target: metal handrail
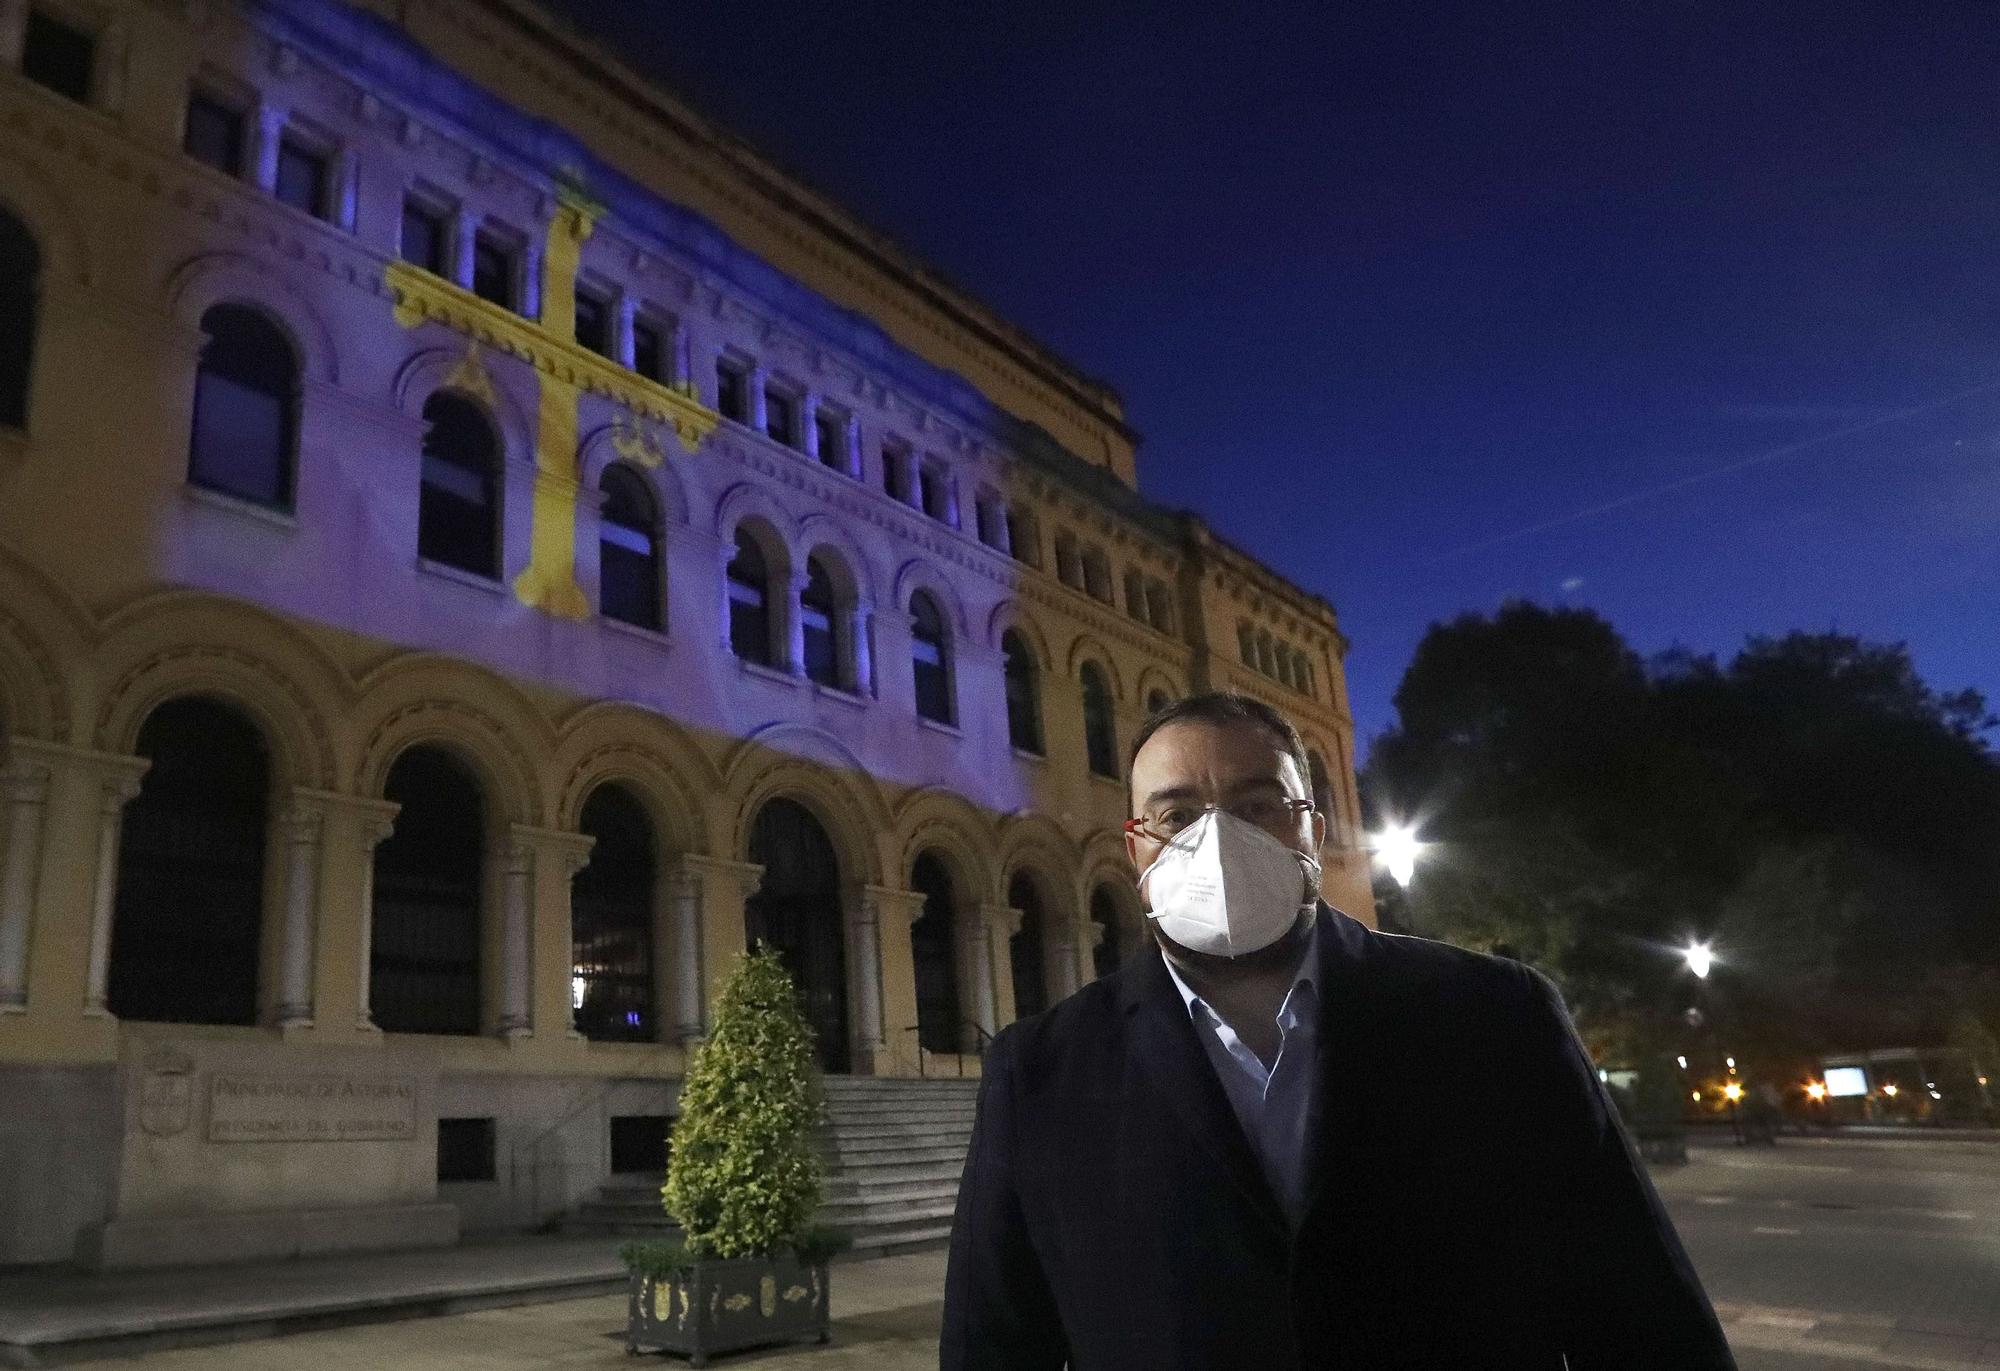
[978,1047]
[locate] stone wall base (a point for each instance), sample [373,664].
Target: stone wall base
[200,1239]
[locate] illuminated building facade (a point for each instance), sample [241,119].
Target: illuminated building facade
[476,546]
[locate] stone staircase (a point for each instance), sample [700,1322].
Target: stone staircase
[892,1150]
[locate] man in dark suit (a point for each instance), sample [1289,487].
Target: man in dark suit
[1283,1140]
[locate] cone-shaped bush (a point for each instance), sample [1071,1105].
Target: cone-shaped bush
[743,1180]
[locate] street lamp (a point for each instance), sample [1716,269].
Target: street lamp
[1700,958]
[1396,847]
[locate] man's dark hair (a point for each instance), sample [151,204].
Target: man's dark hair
[1224,707]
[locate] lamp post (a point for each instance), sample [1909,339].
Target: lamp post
[1397,847]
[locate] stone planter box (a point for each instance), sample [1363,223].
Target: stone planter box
[728,1306]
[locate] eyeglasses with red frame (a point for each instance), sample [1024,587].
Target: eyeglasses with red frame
[1274,814]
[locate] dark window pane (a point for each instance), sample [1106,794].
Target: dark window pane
[492,270]
[816,611]
[424,240]
[649,350]
[640,1143]
[302,178]
[1024,724]
[932,939]
[214,135]
[58,55]
[931,489]
[732,393]
[457,522]
[892,472]
[628,550]
[1025,950]
[424,945]
[1099,731]
[611,922]
[20,268]
[928,660]
[1020,537]
[832,439]
[797,911]
[465,1150]
[593,322]
[780,417]
[245,408]
[749,603]
[190,895]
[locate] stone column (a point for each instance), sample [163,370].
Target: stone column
[301,826]
[1060,955]
[372,832]
[988,925]
[516,953]
[794,622]
[809,419]
[677,956]
[725,886]
[464,230]
[270,130]
[997,925]
[1089,934]
[860,633]
[759,413]
[118,789]
[26,788]
[895,911]
[621,331]
[864,949]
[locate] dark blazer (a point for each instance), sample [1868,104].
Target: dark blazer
[1474,1203]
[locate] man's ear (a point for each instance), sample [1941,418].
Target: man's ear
[1319,834]
[1132,851]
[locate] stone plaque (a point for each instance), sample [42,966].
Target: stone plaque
[166,1093]
[280,1107]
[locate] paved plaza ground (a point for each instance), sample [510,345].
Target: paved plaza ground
[1827,1254]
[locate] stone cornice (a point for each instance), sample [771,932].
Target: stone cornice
[421,297]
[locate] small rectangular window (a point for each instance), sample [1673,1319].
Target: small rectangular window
[426,242]
[214,134]
[639,1144]
[492,270]
[59,56]
[933,494]
[732,391]
[781,417]
[831,433]
[301,178]
[892,472]
[465,1150]
[593,322]
[649,350]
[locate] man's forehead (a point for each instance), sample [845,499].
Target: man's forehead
[1228,753]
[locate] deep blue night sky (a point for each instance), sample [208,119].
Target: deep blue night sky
[1686,312]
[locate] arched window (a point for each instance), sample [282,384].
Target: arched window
[749,601]
[458,505]
[423,951]
[628,555]
[611,922]
[1104,913]
[20,285]
[933,948]
[184,930]
[930,659]
[797,910]
[1024,705]
[246,408]
[1025,948]
[1100,734]
[817,613]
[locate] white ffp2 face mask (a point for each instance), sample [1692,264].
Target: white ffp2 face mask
[1226,887]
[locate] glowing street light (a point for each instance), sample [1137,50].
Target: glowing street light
[1732,1092]
[1816,1090]
[1700,957]
[1891,1090]
[1396,847]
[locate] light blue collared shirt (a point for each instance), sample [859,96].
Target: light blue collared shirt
[1271,1105]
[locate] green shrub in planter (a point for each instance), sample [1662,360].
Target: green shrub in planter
[743,1184]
